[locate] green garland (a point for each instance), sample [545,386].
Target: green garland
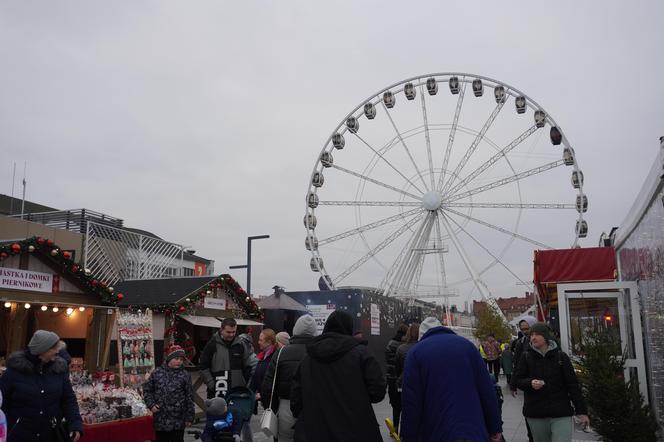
[61,261]
[225,282]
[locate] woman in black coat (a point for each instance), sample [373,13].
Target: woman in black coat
[37,391]
[547,378]
[289,359]
[335,385]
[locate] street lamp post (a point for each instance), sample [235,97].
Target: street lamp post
[248,264]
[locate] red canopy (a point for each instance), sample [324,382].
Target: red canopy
[567,265]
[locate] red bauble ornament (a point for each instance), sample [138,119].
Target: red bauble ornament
[49,242]
[66,255]
[93,283]
[74,269]
[120,296]
[16,247]
[41,241]
[182,309]
[3,255]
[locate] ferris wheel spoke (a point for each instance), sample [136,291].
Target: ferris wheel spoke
[473,146]
[441,258]
[504,181]
[370,203]
[426,137]
[405,279]
[450,140]
[498,260]
[479,283]
[389,163]
[403,143]
[392,284]
[499,229]
[387,241]
[385,283]
[511,206]
[371,180]
[491,161]
[370,226]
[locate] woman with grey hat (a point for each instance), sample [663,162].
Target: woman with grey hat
[38,394]
[552,394]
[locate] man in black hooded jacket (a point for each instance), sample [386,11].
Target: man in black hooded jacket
[335,385]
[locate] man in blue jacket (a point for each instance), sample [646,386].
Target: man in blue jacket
[447,395]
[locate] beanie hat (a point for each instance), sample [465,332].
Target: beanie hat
[305,325]
[216,406]
[175,351]
[542,329]
[42,341]
[428,324]
[339,322]
[282,338]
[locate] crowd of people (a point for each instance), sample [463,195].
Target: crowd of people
[440,386]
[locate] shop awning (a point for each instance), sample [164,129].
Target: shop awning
[244,321]
[571,265]
[202,321]
[213,322]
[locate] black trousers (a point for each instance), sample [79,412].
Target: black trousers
[494,367]
[170,436]
[395,400]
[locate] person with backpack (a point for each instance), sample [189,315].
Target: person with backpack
[552,394]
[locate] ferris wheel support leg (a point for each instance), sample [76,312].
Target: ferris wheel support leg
[481,286]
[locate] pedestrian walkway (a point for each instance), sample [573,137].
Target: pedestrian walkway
[514,426]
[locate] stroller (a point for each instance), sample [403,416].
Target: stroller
[241,402]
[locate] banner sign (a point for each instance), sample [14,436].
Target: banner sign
[375,320]
[26,280]
[215,303]
[320,313]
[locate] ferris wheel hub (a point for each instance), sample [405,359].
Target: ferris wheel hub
[432,201]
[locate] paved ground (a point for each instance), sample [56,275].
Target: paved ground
[514,427]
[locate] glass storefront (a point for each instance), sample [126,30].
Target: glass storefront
[641,258]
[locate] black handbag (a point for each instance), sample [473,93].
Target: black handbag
[60,431]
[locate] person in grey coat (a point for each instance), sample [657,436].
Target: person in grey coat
[226,362]
[169,395]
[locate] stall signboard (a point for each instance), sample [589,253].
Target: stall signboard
[135,347]
[26,280]
[375,320]
[215,303]
[320,313]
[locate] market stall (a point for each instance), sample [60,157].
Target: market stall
[42,287]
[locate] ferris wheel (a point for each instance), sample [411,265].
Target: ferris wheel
[442,185]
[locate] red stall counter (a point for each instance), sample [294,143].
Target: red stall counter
[137,429]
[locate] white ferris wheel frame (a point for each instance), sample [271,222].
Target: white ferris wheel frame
[447,187]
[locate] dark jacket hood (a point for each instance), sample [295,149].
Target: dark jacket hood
[300,339]
[24,362]
[331,346]
[440,330]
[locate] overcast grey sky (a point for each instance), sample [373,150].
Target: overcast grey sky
[201,121]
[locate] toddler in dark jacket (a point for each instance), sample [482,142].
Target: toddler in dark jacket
[219,423]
